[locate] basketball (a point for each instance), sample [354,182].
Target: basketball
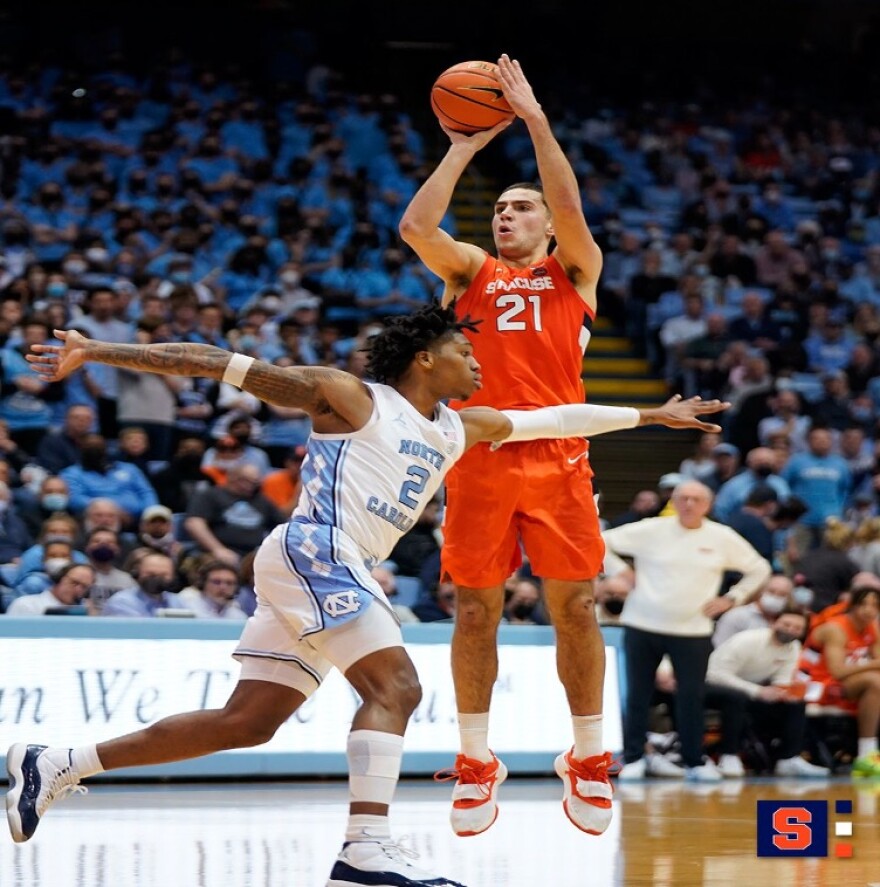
[468,98]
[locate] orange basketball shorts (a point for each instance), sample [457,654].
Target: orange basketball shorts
[535,496]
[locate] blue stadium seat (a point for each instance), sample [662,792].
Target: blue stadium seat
[408,590]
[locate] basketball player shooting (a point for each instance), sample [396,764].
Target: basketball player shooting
[536,308]
[377,454]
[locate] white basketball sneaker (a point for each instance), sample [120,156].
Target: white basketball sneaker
[38,776]
[586,799]
[475,796]
[381,864]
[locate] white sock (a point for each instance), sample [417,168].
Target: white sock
[373,766]
[85,761]
[365,827]
[867,745]
[587,735]
[473,729]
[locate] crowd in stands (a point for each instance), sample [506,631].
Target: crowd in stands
[742,256]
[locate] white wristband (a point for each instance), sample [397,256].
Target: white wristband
[237,369]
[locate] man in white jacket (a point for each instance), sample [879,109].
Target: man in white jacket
[679,564]
[751,673]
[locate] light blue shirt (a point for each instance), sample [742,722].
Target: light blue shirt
[734,492]
[134,602]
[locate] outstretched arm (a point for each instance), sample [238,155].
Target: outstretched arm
[336,401]
[576,250]
[583,420]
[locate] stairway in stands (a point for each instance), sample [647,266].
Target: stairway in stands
[626,461]
[614,373]
[472,205]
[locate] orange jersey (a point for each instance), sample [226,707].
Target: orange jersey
[858,649]
[531,342]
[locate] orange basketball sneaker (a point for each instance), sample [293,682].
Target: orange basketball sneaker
[474,804]
[588,790]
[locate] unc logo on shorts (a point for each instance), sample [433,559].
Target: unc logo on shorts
[341,603]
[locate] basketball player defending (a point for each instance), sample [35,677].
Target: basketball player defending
[377,455]
[536,309]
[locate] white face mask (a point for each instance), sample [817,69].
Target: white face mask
[770,603]
[802,596]
[53,564]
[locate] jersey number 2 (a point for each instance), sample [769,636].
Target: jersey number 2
[517,306]
[412,488]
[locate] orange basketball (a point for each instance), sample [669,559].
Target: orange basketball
[468,98]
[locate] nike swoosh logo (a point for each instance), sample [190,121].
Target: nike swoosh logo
[578,458]
[498,93]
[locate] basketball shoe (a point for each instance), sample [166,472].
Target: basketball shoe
[867,765]
[381,864]
[587,796]
[38,776]
[474,798]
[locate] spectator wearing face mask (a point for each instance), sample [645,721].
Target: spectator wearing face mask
[154,590]
[772,599]
[611,592]
[760,469]
[103,549]
[156,531]
[524,603]
[57,553]
[52,498]
[751,674]
[70,587]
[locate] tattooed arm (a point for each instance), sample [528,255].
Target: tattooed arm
[336,401]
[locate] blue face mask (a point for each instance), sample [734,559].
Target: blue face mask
[56,289]
[54,502]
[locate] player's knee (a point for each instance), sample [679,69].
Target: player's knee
[399,692]
[578,608]
[474,615]
[242,729]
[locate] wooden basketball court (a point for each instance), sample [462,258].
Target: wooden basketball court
[287,835]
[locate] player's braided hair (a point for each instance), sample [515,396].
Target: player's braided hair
[392,351]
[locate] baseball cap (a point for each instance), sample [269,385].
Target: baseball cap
[725,449]
[306,302]
[673,479]
[156,511]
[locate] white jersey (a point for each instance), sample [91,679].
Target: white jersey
[372,484]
